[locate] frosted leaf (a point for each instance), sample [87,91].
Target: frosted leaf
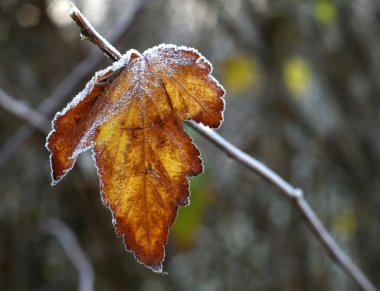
[130,115]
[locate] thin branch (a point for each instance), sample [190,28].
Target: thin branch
[89,33]
[296,197]
[293,194]
[68,85]
[70,244]
[24,112]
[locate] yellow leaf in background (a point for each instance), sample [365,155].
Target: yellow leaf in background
[345,223]
[240,73]
[325,12]
[297,75]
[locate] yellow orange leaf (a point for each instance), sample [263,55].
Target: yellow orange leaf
[131,115]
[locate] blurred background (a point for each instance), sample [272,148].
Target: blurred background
[303,96]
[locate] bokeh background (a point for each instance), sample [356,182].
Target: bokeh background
[303,96]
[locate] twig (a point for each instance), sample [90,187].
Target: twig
[294,195]
[23,111]
[70,244]
[73,79]
[89,33]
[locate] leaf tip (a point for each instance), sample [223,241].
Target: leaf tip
[157,269]
[54,182]
[55,179]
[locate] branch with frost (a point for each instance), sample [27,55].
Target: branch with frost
[89,33]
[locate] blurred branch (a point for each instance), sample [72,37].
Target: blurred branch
[24,112]
[70,244]
[73,79]
[294,195]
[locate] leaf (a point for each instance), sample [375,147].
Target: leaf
[130,114]
[325,11]
[240,73]
[297,76]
